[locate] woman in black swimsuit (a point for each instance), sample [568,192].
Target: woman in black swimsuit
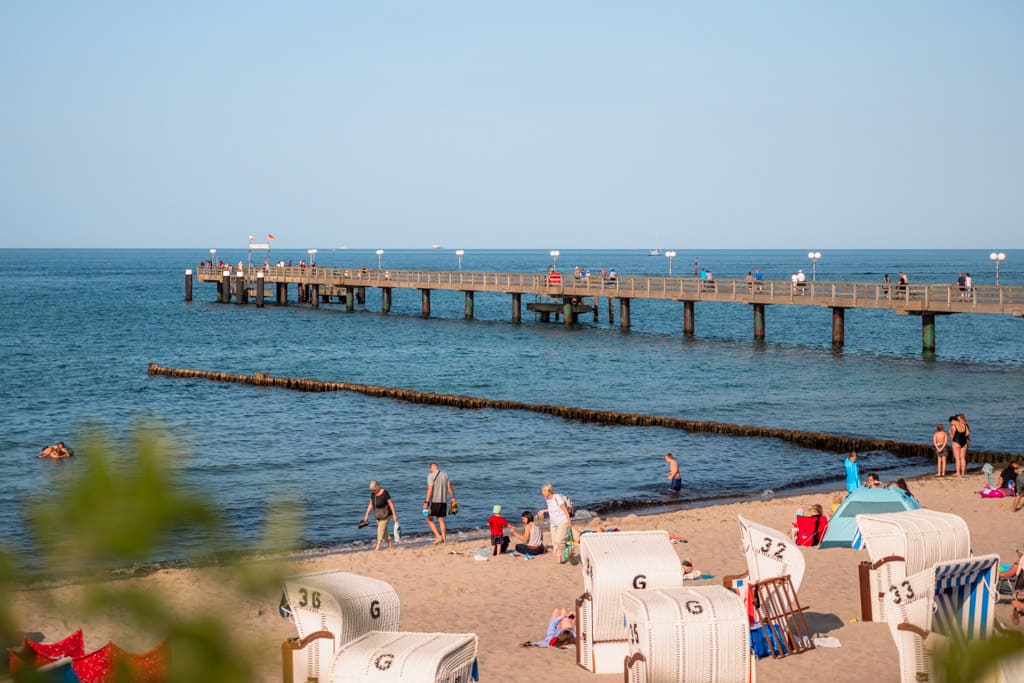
[959,434]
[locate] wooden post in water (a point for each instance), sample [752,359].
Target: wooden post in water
[688,318]
[241,293]
[759,321]
[928,332]
[468,306]
[425,303]
[188,286]
[624,314]
[225,287]
[385,299]
[314,296]
[517,308]
[259,289]
[611,311]
[361,296]
[281,294]
[597,302]
[568,314]
[838,326]
[350,299]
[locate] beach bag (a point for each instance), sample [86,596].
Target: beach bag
[569,505]
[989,492]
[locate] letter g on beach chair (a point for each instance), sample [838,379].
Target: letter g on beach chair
[903,543]
[329,609]
[612,564]
[384,657]
[687,635]
[952,600]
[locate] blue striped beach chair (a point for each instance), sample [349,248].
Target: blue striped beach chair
[952,601]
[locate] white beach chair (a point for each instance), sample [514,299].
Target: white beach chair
[687,635]
[951,600]
[330,609]
[903,543]
[386,656]
[771,554]
[612,563]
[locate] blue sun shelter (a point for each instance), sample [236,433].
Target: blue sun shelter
[842,527]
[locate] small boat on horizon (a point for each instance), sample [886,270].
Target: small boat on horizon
[436,246]
[654,252]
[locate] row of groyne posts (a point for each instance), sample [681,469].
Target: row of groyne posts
[834,443]
[241,285]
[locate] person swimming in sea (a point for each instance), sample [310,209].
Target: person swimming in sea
[57,451]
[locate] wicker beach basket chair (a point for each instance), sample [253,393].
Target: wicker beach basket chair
[687,635]
[389,656]
[771,554]
[330,609]
[903,543]
[612,563]
[951,600]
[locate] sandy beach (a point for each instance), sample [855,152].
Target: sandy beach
[507,600]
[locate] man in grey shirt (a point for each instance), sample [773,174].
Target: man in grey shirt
[435,503]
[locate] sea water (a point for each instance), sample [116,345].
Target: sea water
[80,326]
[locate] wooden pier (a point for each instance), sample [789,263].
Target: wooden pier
[347,287]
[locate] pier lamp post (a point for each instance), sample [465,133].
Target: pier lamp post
[460,253]
[997,258]
[814,256]
[670,255]
[312,256]
[213,255]
[380,255]
[554,257]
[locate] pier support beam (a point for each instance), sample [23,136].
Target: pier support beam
[597,307]
[259,290]
[468,306]
[545,316]
[425,303]
[225,288]
[928,332]
[188,286]
[611,311]
[281,294]
[350,299]
[759,321]
[361,296]
[569,315]
[624,314]
[688,318]
[314,296]
[385,299]
[517,308]
[838,326]
[241,293]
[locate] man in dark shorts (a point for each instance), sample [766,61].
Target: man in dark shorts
[675,480]
[435,503]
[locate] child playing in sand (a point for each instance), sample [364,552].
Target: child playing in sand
[498,537]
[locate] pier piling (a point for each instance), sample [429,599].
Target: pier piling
[468,306]
[838,326]
[758,321]
[225,287]
[425,303]
[188,286]
[688,318]
[385,299]
[624,314]
[259,290]
[517,307]
[928,332]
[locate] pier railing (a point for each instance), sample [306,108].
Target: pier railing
[937,298]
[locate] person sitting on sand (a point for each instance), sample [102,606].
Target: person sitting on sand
[810,526]
[689,573]
[873,481]
[902,484]
[57,451]
[532,536]
[561,631]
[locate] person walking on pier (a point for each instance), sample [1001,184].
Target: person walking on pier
[675,480]
[435,502]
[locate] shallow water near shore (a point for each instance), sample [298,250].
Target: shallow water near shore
[75,353]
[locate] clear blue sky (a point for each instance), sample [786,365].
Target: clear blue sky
[515,125]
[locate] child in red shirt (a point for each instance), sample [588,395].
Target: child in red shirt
[498,537]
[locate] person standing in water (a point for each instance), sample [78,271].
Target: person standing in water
[675,480]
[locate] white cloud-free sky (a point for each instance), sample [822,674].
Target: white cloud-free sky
[515,125]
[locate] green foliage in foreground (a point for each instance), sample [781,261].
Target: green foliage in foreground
[121,509]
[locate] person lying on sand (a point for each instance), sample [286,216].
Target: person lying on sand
[561,631]
[56,451]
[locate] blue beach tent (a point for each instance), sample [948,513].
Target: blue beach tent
[842,528]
